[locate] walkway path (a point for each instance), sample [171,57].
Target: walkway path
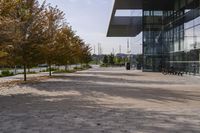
[102,100]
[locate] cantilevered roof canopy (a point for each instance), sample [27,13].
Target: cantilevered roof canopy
[144,4]
[128,4]
[125,26]
[131,26]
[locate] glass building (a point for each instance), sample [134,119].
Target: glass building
[171,32]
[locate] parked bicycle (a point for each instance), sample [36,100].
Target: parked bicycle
[171,71]
[164,71]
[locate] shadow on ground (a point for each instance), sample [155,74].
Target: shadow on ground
[88,88]
[29,113]
[112,80]
[78,114]
[111,73]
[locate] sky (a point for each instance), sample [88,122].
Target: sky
[90,20]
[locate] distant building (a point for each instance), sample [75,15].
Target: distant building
[121,55]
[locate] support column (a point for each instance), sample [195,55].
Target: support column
[199,62]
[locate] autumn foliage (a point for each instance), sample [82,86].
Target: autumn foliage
[33,33]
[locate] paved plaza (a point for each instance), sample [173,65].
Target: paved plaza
[101,100]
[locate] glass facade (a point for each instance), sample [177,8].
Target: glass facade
[152,39]
[171,38]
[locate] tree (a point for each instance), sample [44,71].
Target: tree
[76,49]
[63,40]
[105,60]
[6,23]
[86,55]
[3,56]
[53,18]
[118,60]
[22,31]
[31,33]
[111,59]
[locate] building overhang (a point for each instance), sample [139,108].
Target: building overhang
[125,26]
[144,4]
[127,4]
[131,26]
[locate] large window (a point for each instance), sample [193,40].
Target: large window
[173,36]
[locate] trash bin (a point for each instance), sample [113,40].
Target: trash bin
[128,66]
[139,67]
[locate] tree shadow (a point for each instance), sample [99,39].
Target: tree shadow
[110,73]
[55,109]
[94,86]
[31,113]
[112,80]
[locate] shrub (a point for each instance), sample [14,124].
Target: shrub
[104,65]
[78,68]
[6,73]
[32,72]
[52,69]
[64,71]
[87,66]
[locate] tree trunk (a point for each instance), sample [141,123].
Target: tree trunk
[66,67]
[29,70]
[15,70]
[24,72]
[50,70]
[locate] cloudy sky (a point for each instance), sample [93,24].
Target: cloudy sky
[90,20]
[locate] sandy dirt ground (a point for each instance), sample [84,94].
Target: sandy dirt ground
[101,100]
